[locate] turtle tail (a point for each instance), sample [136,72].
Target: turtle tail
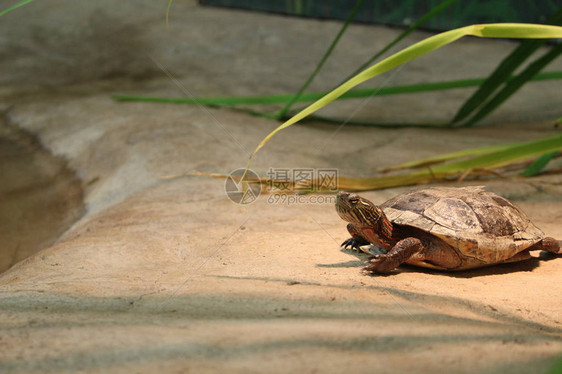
[551,245]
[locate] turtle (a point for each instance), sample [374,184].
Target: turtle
[444,228]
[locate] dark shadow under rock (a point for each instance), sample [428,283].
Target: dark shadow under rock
[40,197]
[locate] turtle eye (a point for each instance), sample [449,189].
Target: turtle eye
[353,199]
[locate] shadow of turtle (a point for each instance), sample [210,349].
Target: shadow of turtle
[493,269]
[361,258]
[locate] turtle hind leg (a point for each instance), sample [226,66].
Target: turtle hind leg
[549,244]
[400,253]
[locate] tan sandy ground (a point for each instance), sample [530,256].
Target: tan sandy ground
[171,276]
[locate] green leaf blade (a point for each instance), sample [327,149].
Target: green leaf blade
[514,84]
[500,158]
[14,7]
[539,164]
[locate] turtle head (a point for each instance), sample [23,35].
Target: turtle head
[357,210]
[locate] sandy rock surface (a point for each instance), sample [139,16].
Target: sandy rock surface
[169,275]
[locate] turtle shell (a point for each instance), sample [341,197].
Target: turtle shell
[480,226]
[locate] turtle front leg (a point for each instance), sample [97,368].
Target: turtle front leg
[356,240]
[399,254]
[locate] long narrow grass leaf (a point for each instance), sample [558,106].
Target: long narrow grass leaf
[507,30]
[539,164]
[449,156]
[514,84]
[355,122]
[15,6]
[502,73]
[168,7]
[500,158]
[312,96]
[497,78]
[504,157]
[324,58]
[426,17]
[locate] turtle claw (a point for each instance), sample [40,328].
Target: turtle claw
[352,243]
[382,264]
